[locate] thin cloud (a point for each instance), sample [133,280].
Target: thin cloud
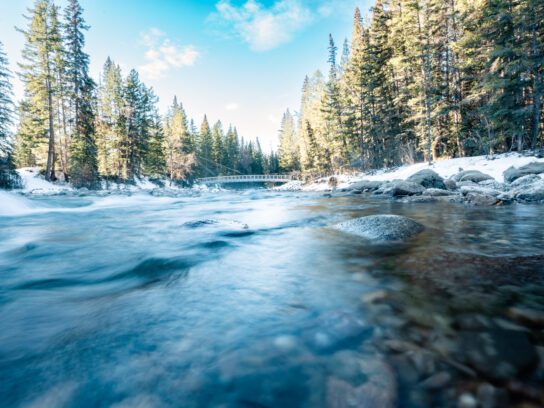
[163,55]
[265,28]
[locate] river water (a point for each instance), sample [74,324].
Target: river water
[248,298]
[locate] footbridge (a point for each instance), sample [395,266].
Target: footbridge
[252,178]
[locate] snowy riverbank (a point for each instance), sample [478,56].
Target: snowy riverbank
[479,179]
[35,184]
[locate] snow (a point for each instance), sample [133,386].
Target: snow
[34,183]
[492,165]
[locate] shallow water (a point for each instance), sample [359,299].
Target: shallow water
[240,298]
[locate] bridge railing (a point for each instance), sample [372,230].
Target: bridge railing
[246,178]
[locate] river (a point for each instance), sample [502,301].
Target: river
[248,298]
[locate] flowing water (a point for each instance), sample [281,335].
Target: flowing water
[249,299]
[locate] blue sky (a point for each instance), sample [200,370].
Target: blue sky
[242,62]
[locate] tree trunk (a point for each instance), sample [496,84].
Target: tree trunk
[536,91]
[50,168]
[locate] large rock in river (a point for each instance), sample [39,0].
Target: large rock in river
[475,176]
[512,173]
[428,179]
[399,188]
[382,228]
[365,185]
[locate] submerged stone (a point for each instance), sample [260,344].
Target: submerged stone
[497,353]
[382,228]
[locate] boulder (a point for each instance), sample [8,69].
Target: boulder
[365,185]
[428,179]
[526,180]
[479,190]
[532,194]
[450,184]
[478,199]
[475,176]
[382,228]
[419,199]
[399,188]
[513,173]
[437,192]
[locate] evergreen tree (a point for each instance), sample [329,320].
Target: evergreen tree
[179,144]
[154,159]
[83,151]
[8,176]
[109,129]
[38,73]
[289,150]
[218,149]
[205,149]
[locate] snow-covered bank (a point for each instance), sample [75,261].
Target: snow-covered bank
[491,165]
[33,183]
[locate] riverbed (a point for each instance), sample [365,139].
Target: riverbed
[249,298]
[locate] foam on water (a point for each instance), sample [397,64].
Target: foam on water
[13,205]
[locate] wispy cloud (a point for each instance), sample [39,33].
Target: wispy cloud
[163,54]
[232,106]
[264,28]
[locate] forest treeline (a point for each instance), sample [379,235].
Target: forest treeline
[82,131]
[423,79]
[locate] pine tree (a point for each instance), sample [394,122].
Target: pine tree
[289,150]
[205,148]
[83,151]
[154,158]
[109,129]
[42,43]
[332,109]
[179,144]
[8,176]
[218,149]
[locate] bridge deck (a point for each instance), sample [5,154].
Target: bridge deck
[252,178]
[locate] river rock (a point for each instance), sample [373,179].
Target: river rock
[532,194]
[526,180]
[491,397]
[332,329]
[428,179]
[437,192]
[513,173]
[479,190]
[467,400]
[398,188]
[497,353]
[382,228]
[450,184]
[481,200]
[436,381]
[475,176]
[419,199]
[341,394]
[528,316]
[365,185]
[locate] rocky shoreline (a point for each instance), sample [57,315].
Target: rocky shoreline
[460,330]
[524,184]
